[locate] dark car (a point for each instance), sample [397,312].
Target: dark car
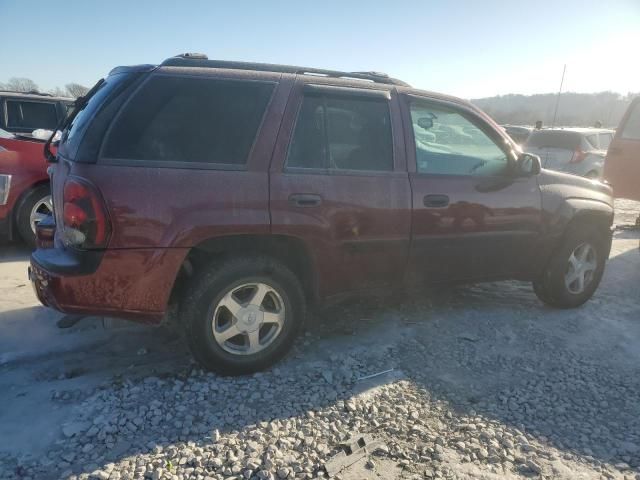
[229,196]
[25,112]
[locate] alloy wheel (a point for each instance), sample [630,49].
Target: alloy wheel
[581,268]
[248,318]
[40,210]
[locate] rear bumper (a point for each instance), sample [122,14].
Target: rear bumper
[134,284]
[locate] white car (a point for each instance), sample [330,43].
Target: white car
[580,151]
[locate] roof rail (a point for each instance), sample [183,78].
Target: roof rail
[30,92]
[201,60]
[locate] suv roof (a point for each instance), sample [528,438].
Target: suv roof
[201,60]
[34,96]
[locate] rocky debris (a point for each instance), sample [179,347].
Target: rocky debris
[466,408]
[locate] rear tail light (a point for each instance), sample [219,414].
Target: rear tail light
[86,223]
[578,156]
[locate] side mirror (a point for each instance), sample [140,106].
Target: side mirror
[425,122]
[529,164]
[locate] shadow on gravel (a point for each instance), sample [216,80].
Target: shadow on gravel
[565,377]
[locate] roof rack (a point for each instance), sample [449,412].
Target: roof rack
[201,60]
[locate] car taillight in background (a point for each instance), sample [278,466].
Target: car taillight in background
[578,156]
[86,223]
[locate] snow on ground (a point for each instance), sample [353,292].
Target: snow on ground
[486,383]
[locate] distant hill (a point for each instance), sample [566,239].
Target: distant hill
[575,109]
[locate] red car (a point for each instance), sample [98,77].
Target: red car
[25,195]
[229,196]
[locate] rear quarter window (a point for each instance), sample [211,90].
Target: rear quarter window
[189,120]
[554,139]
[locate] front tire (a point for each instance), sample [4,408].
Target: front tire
[35,206]
[575,270]
[242,315]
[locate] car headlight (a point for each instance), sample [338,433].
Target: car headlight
[5,185]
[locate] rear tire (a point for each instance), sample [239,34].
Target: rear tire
[575,270]
[242,315]
[35,204]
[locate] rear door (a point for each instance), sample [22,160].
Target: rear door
[622,165]
[472,217]
[339,184]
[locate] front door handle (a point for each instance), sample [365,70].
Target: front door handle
[436,201]
[305,200]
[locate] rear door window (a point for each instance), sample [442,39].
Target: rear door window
[342,133]
[190,120]
[31,114]
[631,129]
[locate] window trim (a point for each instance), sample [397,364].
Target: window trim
[474,119]
[27,100]
[324,91]
[176,164]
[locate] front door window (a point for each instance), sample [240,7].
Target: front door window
[447,143]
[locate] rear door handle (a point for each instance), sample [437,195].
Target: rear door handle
[436,201]
[305,200]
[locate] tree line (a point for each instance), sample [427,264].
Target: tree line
[26,85]
[574,109]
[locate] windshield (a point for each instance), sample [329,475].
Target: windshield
[554,139]
[75,130]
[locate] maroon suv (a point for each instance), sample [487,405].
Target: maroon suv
[229,196]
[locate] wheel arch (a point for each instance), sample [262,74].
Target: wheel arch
[290,251]
[14,231]
[23,195]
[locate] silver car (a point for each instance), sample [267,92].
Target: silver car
[580,151]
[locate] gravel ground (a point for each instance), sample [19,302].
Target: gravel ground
[485,382]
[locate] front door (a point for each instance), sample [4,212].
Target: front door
[622,165]
[473,218]
[338,182]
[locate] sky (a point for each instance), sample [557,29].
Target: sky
[470,49]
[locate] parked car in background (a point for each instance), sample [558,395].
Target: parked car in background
[622,167]
[519,134]
[229,196]
[579,151]
[25,196]
[25,112]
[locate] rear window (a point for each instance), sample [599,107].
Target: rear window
[31,115]
[74,133]
[190,119]
[554,139]
[631,129]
